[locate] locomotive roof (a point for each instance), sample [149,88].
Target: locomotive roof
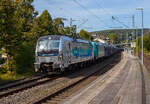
[57,37]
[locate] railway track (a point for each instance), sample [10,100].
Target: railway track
[62,91]
[19,81]
[69,89]
[24,84]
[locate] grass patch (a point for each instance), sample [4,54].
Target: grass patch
[10,76]
[22,64]
[6,77]
[148,54]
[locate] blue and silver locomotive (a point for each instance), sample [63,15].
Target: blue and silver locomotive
[58,53]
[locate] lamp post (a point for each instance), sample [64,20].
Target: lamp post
[142,32]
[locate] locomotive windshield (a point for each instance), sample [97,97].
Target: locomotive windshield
[53,44]
[42,45]
[47,45]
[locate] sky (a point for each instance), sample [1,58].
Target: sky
[95,15]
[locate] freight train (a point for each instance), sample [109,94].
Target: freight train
[60,53]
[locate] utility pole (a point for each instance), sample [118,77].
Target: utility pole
[73,29]
[134,29]
[133,21]
[70,22]
[142,32]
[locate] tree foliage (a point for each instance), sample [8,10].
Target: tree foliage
[15,25]
[43,25]
[9,31]
[20,27]
[59,26]
[146,42]
[84,34]
[67,30]
[114,38]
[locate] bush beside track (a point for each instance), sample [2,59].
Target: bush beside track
[146,60]
[22,64]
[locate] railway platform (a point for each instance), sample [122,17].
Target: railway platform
[126,83]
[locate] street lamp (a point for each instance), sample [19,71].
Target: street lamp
[141,9]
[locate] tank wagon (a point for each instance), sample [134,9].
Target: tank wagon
[58,53]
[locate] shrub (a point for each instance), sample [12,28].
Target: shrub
[146,42]
[24,59]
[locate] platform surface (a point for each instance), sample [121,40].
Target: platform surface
[126,83]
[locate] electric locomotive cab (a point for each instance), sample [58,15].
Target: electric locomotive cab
[47,53]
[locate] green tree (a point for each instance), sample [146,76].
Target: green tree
[59,26]
[15,24]
[114,38]
[9,31]
[43,25]
[25,14]
[147,42]
[84,34]
[67,30]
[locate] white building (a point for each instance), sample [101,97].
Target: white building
[133,44]
[100,40]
